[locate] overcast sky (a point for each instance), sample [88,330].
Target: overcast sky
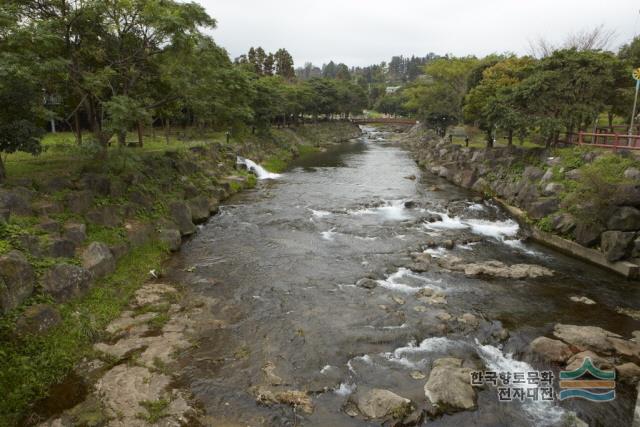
[363,32]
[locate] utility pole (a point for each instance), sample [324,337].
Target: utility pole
[636,76]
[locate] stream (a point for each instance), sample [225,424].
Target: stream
[282,260]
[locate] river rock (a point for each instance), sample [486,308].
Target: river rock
[17,280]
[379,403]
[586,337]
[295,398]
[448,387]
[181,215]
[367,283]
[582,300]
[616,244]
[199,207]
[469,320]
[625,218]
[171,237]
[588,234]
[550,350]
[37,320]
[65,281]
[628,372]
[576,360]
[98,259]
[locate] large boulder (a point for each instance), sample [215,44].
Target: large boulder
[577,359]
[588,233]
[98,259]
[106,216]
[616,244]
[449,386]
[550,350]
[532,173]
[199,207]
[60,248]
[66,281]
[563,223]
[379,403]
[626,195]
[181,215]
[17,280]
[55,184]
[625,218]
[632,174]
[587,337]
[76,232]
[79,202]
[170,237]
[37,320]
[552,189]
[138,233]
[16,201]
[542,207]
[97,183]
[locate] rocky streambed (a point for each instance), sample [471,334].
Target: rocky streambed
[355,290]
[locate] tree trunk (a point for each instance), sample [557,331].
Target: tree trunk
[510,138]
[167,129]
[122,138]
[610,118]
[140,137]
[3,172]
[489,139]
[78,130]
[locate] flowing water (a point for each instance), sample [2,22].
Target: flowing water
[282,261]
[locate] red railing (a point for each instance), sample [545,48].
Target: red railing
[612,141]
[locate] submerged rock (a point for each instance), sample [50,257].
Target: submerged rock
[295,398]
[367,283]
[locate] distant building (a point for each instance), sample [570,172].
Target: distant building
[392,89]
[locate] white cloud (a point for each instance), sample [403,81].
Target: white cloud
[362,32]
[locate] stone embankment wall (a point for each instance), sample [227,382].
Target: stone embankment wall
[60,234]
[589,197]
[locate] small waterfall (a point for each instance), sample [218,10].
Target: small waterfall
[260,172]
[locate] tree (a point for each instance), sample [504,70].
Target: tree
[22,100]
[284,64]
[342,72]
[438,99]
[490,103]
[566,91]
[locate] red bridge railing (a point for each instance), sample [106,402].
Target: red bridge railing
[612,141]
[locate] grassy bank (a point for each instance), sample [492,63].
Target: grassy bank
[30,365]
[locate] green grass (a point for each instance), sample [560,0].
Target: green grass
[156,410]
[63,156]
[107,235]
[30,366]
